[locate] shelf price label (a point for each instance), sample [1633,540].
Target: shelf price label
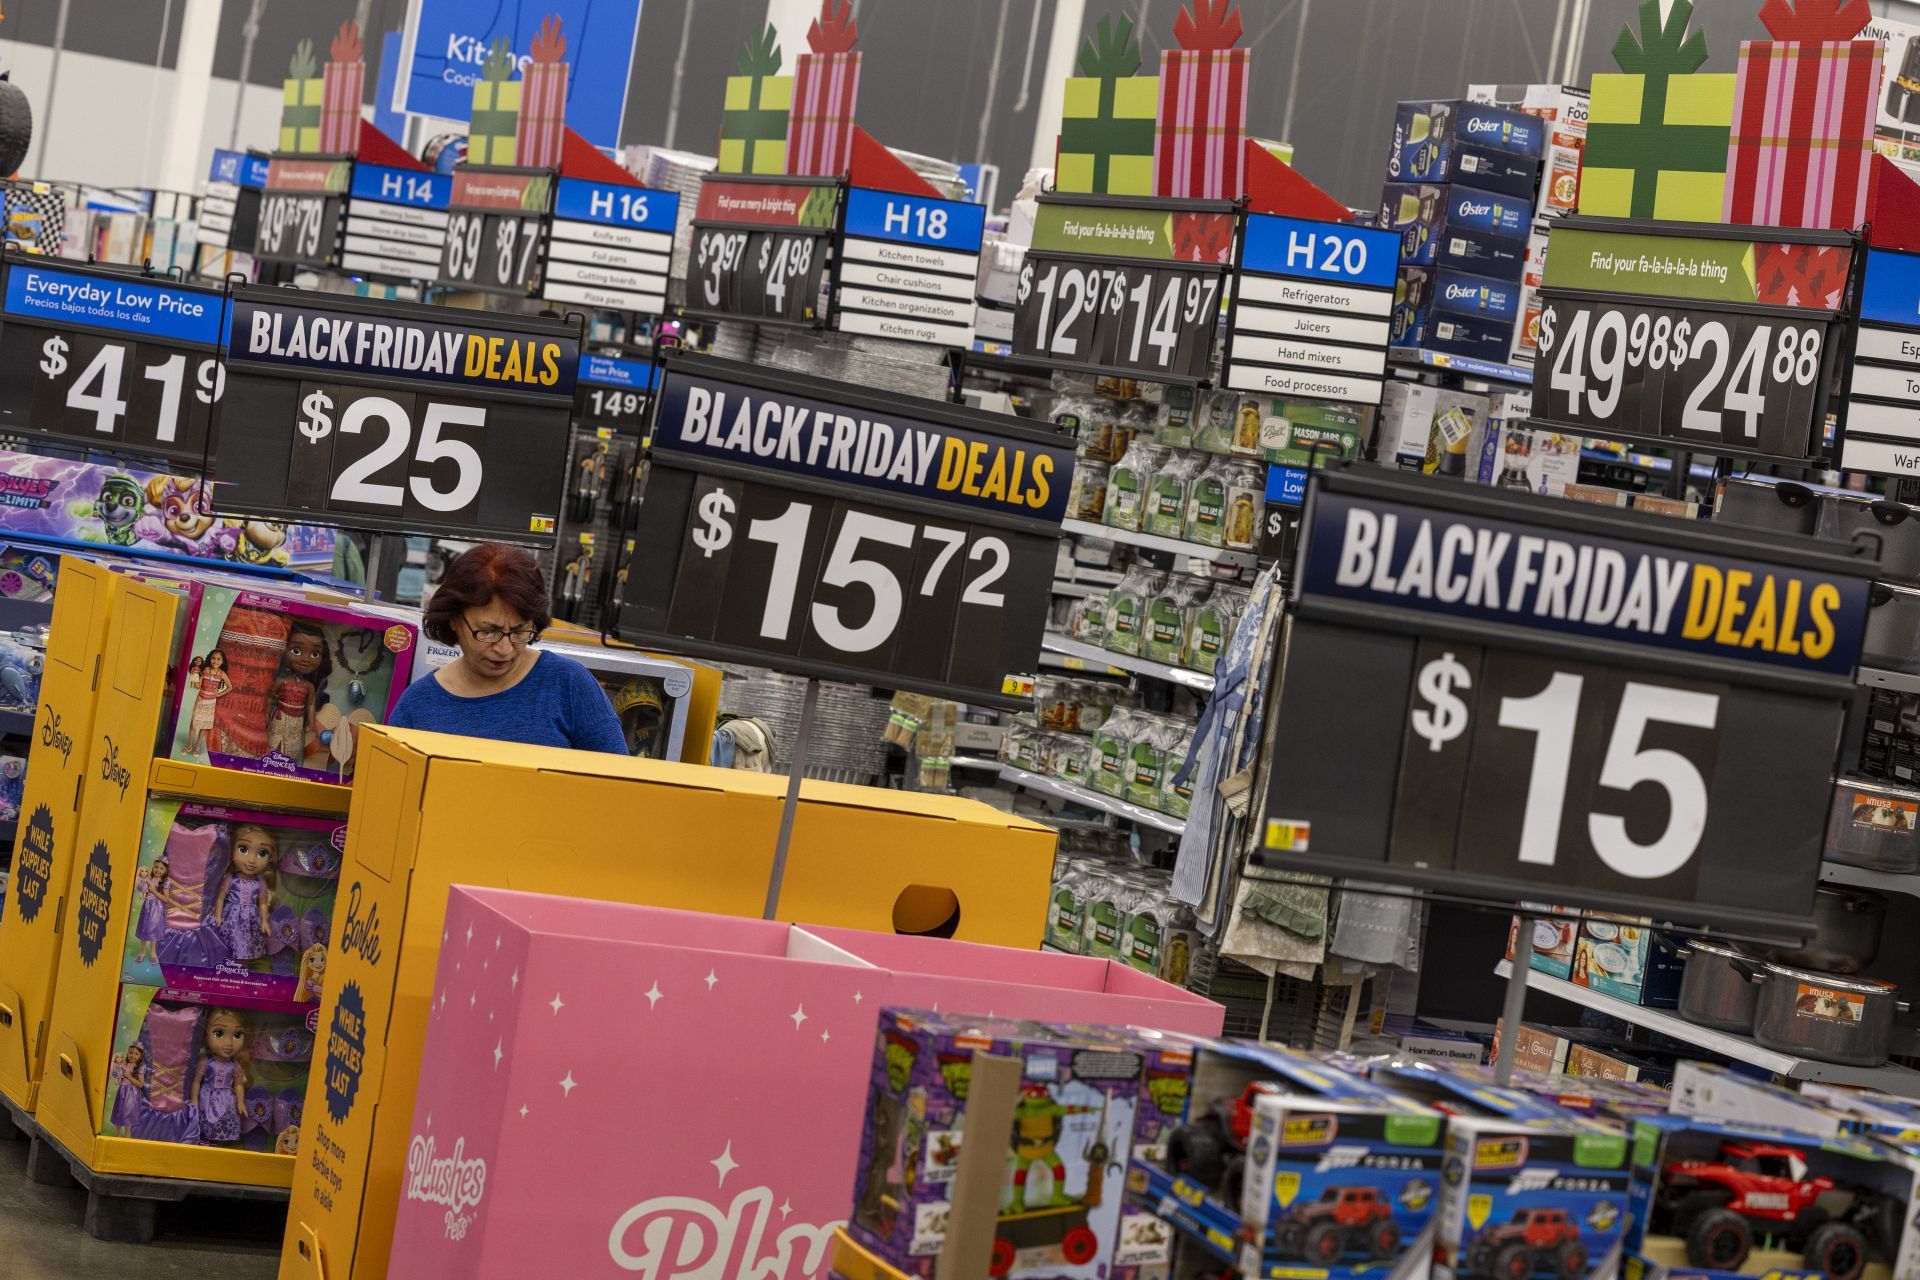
[495,222]
[1588,707]
[815,527]
[300,210]
[396,416]
[610,246]
[1311,307]
[396,222]
[614,392]
[909,267]
[761,248]
[1128,289]
[111,360]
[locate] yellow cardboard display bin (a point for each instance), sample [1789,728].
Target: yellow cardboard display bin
[35,907]
[430,811]
[126,723]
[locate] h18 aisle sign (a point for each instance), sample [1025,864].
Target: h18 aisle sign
[1590,707]
[396,416]
[1311,302]
[610,246]
[908,267]
[1882,426]
[396,222]
[818,528]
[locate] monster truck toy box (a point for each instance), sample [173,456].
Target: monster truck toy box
[1723,1199]
[1528,1191]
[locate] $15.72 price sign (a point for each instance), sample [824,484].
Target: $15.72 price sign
[760,248]
[1591,708]
[396,416]
[111,359]
[814,527]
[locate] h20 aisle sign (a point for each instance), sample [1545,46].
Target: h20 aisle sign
[1591,708]
[909,266]
[396,416]
[1882,422]
[111,360]
[760,247]
[1311,302]
[823,529]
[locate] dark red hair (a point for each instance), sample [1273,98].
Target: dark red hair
[487,572]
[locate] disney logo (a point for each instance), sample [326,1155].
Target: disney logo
[111,770]
[361,936]
[50,735]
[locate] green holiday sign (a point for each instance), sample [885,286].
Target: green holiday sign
[1106,231]
[1706,269]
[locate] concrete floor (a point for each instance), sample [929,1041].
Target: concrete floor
[41,1237]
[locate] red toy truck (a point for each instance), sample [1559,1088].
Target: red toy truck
[1756,1189]
[1213,1149]
[1342,1220]
[1530,1241]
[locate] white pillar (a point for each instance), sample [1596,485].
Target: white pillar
[790,19]
[181,162]
[1063,48]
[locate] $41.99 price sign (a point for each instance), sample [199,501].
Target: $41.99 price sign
[760,248]
[813,527]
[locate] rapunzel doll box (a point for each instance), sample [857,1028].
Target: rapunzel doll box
[270,683]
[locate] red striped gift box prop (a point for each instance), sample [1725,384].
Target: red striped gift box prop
[820,130]
[1802,135]
[1202,119]
[539,135]
[342,81]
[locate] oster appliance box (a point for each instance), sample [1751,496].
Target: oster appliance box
[1467,228]
[1488,146]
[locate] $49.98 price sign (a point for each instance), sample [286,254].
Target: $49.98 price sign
[760,248]
[396,416]
[111,359]
[813,527]
[1592,708]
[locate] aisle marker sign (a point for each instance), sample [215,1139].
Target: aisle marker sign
[1882,433]
[396,222]
[1310,313]
[908,267]
[229,215]
[610,246]
[824,529]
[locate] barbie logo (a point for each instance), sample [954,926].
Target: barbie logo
[360,935]
[454,1182]
[681,1238]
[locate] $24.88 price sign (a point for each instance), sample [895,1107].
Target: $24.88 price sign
[757,275]
[1156,320]
[1749,382]
[493,251]
[106,390]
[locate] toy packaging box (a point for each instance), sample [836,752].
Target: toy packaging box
[1468,142]
[186,1069]
[273,684]
[1620,956]
[1449,225]
[1530,1189]
[1868,1111]
[234,904]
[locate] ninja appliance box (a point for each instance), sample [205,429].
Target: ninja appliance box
[1488,146]
[1466,228]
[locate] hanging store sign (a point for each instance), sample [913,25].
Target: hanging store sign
[819,528]
[396,416]
[613,392]
[1882,422]
[396,222]
[1721,340]
[760,249]
[1588,707]
[908,267]
[1311,302]
[495,221]
[610,246]
[1123,285]
[229,216]
[112,360]
[300,210]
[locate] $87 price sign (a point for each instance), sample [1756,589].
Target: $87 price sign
[1152,319]
[757,275]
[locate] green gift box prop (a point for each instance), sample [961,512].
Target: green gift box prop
[1657,131]
[496,109]
[1108,118]
[753,129]
[301,95]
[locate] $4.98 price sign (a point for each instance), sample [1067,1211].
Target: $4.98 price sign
[757,275]
[1138,318]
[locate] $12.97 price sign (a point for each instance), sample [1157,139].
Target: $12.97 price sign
[814,527]
[396,416]
[1591,708]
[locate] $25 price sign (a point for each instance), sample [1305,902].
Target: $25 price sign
[821,530]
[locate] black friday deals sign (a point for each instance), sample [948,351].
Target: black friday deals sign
[818,528]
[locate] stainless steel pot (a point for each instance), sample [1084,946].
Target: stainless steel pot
[1821,1015]
[1714,991]
[1846,935]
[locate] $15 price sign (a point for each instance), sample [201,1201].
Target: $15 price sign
[821,530]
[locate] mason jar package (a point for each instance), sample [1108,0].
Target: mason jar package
[1087,620]
[1127,607]
[1106,916]
[1166,501]
[1206,521]
[1071,751]
[1246,496]
[1169,620]
[1128,482]
[1107,761]
[1213,422]
[1066,908]
[1143,932]
[1087,499]
[1180,942]
[1147,762]
[1173,426]
[1213,623]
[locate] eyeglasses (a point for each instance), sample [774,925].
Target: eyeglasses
[520,636]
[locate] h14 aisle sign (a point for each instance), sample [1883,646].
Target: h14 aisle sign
[396,222]
[908,267]
[1311,302]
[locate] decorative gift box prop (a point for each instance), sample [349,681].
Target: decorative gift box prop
[1109,137]
[759,102]
[1200,125]
[1620,956]
[550,1014]
[1658,130]
[1804,118]
[429,815]
[302,99]
[1484,232]
[341,85]
[1538,1190]
[826,83]
[540,130]
[233,904]
[494,127]
[1484,146]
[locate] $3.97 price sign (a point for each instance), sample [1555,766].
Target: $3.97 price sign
[1140,318]
[757,275]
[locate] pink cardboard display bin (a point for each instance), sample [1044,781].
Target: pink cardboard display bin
[610,1089]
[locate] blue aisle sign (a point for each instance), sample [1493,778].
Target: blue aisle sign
[1307,250]
[616,205]
[610,246]
[239,168]
[909,266]
[447,41]
[1882,425]
[139,307]
[417,187]
[1312,307]
[904,219]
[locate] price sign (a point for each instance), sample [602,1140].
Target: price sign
[1713,341]
[1882,424]
[818,528]
[1124,286]
[1311,302]
[760,249]
[614,392]
[908,267]
[494,227]
[300,210]
[111,359]
[1588,707]
[229,216]
[396,416]
[396,222]
[610,246]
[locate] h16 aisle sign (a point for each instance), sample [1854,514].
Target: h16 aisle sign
[760,248]
[610,246]
[908,267]
[816,527]
[1311,302]
[1882,429]
[1590,707]
[396,416]
[111,359]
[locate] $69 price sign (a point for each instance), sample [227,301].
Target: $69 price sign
[770,275]
[85,387]
[1154,319]
[370,460]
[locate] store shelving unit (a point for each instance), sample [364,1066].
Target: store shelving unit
[1043,785]
[1866,878]
[1154,542]
[1881,678]
[1465,366]
[1098,657]
[1901,1081]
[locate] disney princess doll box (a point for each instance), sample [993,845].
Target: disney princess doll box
[276,684]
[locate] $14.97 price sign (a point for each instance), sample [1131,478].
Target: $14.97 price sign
[1591,708]
[760,248]
[396,416]
[111,359]
[814,527]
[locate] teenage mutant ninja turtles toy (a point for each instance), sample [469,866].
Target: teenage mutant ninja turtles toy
[1036,1135]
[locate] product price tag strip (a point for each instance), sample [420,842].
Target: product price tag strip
[1125,286]
[300,209]
[760,249]
[1590,709]
[496,220]
[818,528]
[1717,339]
[614,392]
